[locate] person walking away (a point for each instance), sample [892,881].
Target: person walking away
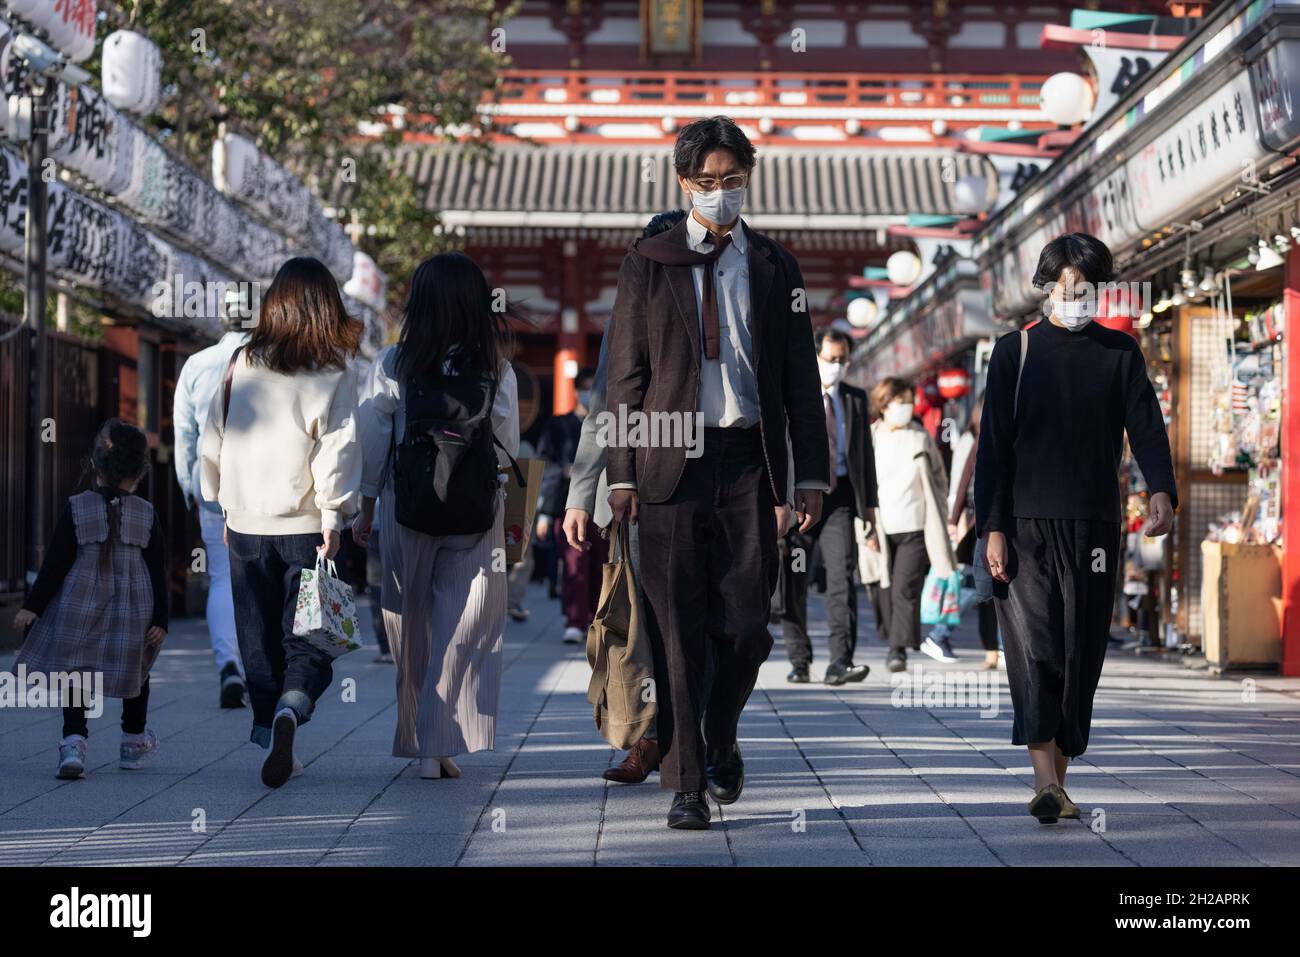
[852,495]
[912,531]
[99,602]
[708,329]
[200,379]
[1060,398]
[444,594]
[579,568]
[280,456]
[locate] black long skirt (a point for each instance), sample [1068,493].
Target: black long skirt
[1055,625]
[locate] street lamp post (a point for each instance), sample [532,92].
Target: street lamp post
[34,248]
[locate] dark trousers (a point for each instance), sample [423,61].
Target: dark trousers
[840,558]
[281,670]
[988,623]
[709,564]
[134,712]
[900,603]
[580,590]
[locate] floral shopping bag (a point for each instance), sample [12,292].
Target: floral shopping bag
[932,596]
[326,615]
[950,607]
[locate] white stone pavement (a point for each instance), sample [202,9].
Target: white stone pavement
[1184,769]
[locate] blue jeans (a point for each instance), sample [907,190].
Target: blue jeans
[281,670]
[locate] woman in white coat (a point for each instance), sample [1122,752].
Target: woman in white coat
[911,533]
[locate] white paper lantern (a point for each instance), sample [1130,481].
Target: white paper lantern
[1067,98]
[862,312]
[69,24]
[367,284]
[132,69]
[971,194]
[904,267]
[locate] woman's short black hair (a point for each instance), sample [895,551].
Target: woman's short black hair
[700,138]
[1088,255]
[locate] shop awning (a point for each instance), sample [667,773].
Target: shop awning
[581,186]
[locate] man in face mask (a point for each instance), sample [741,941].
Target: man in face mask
[709,329]
[852,494]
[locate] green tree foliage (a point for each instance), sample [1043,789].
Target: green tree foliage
[318,86]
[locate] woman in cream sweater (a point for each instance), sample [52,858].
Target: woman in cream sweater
[281,457]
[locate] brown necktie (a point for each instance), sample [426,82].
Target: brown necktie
[833,435]
[712,330]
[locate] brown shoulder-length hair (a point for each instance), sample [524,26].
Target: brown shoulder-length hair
[303,325]
[887,390]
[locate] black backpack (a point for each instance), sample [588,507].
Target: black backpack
[445,468]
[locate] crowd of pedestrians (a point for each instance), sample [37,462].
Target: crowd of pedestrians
[291,450]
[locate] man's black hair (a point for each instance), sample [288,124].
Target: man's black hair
[700,138]
[834,335]
[662,222]
[586,374]
[1088,256]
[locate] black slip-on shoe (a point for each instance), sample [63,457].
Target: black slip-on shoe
[278,767]
[725,772]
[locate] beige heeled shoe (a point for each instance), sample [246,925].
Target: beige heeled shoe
[449,768]
[990,661]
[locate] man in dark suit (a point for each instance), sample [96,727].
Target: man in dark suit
[852,495]
[710,333]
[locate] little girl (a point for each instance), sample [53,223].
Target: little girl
[102,582]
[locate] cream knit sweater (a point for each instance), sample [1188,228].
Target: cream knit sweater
[287,460]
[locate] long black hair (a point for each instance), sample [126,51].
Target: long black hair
[452,314]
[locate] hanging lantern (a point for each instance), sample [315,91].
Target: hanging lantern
[904,267]
[971,194]
[953,383]
[863,312]
[131,70]
[1067,99]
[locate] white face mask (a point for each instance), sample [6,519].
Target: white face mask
[721,207]
[831,372]
[899,414]
[1075,313]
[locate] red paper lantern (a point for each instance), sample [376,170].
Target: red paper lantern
[954,383]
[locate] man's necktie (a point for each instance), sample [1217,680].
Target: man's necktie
[833,435]
[709,310]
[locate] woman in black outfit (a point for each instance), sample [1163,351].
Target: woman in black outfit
[1047,495]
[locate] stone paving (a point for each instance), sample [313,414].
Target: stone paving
[1183,769]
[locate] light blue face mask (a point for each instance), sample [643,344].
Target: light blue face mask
[721,206]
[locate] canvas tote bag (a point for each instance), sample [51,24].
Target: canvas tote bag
[622,689]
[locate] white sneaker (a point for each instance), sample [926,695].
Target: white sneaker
[72,757]
[430,768]
[297,767]
[573,636]
[938,651]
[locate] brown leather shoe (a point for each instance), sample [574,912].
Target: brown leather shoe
[640,760]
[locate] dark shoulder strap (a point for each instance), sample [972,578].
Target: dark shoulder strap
[226,385]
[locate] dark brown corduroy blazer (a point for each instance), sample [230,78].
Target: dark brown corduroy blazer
[654,365]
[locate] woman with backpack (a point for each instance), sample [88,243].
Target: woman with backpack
[439,421]
[280,455]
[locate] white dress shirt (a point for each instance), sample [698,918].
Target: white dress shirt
[729,384]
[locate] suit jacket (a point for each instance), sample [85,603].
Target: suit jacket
[587,487]
[655,352]
[861,456]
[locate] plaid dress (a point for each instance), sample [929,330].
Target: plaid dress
[98,619]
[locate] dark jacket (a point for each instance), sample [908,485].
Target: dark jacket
[654,364]
[861,456]
[557,446]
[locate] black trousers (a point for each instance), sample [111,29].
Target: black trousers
[281,670]
[840,558]
[134,713]
[708,567]
[900,603]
